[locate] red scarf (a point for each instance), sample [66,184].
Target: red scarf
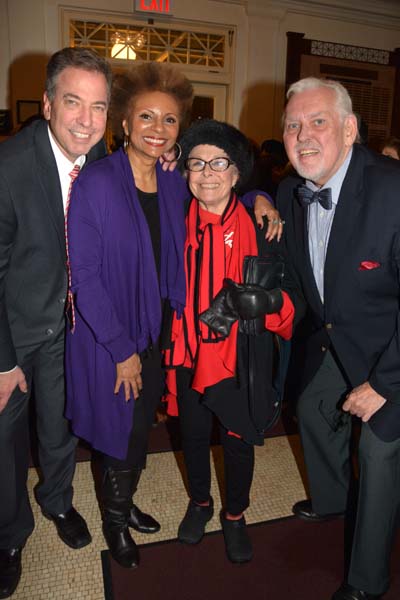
[215,248]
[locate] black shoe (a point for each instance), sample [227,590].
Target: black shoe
[10,571]
[303,510]
[71,528]
[347,592]
[193,525]
[142,522]
[237,541]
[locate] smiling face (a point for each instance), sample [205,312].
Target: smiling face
[78,112]
[211,188]
[152,125]
[317,137]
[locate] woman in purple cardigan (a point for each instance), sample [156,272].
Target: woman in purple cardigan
[126,239]
[126,235]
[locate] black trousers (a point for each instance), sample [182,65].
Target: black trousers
[43,366]
[326,443]
[143,414]
[196,424]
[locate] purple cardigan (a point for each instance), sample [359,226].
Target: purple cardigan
[117,295]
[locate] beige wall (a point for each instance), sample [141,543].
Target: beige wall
[269,20]
[30,31]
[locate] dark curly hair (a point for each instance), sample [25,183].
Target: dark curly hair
[224,136]
[148,77]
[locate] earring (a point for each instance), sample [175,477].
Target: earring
[179,148]
[178,153]
[126,143]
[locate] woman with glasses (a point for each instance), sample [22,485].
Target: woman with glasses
[208,359]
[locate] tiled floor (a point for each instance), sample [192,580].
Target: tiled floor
[52,571]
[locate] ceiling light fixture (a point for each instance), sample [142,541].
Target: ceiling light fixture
[125,45]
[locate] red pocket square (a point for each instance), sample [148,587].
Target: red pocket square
[368,265]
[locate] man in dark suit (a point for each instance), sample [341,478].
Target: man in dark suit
[342,218]
[35,168]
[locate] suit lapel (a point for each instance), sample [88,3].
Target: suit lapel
[301,233]
[344,224]
[50,182]
[49,179]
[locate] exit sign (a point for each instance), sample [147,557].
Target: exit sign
[157,7]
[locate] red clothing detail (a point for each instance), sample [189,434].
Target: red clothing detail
[282,322]
[222,242]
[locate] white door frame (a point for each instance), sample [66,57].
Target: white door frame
[218,92]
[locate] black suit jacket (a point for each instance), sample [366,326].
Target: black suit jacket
[33,276]
[360,319]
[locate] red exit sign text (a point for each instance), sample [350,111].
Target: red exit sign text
[154,6]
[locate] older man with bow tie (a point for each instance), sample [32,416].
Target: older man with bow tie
[342,216]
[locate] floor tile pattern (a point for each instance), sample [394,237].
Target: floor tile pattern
[52,571]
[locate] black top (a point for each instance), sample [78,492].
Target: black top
[149,203]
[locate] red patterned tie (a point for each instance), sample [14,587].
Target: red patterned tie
[70,310]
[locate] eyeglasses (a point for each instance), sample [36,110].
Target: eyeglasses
[218,164]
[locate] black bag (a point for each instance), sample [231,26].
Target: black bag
[265,403]
[268,272]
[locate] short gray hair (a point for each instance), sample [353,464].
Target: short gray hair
[344,104]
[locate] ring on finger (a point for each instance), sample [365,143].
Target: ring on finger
[275,221]
[281,222]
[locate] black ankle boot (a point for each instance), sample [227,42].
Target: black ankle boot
[193,525]
[117,502]
[137,519]
[237,540]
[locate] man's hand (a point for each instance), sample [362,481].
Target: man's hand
[129,374]
[363,402]
[263,208]
[8,383]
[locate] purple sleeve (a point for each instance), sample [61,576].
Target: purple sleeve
[85,240]
[249,198]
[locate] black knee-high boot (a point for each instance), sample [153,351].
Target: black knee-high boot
[138,519]
[117,492]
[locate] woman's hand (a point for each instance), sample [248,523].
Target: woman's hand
[263,208]
[129,374]
[167,160]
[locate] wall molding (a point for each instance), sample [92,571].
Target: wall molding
[382,13]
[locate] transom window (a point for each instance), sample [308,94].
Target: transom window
[148,43]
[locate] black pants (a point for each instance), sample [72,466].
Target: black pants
[143,414]
[43,366]
[328,460]
[196,424]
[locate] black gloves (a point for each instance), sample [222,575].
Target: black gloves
[221,315]
[250,302]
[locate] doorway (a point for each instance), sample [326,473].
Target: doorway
[209,101]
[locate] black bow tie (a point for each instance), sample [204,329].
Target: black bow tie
[306,196]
